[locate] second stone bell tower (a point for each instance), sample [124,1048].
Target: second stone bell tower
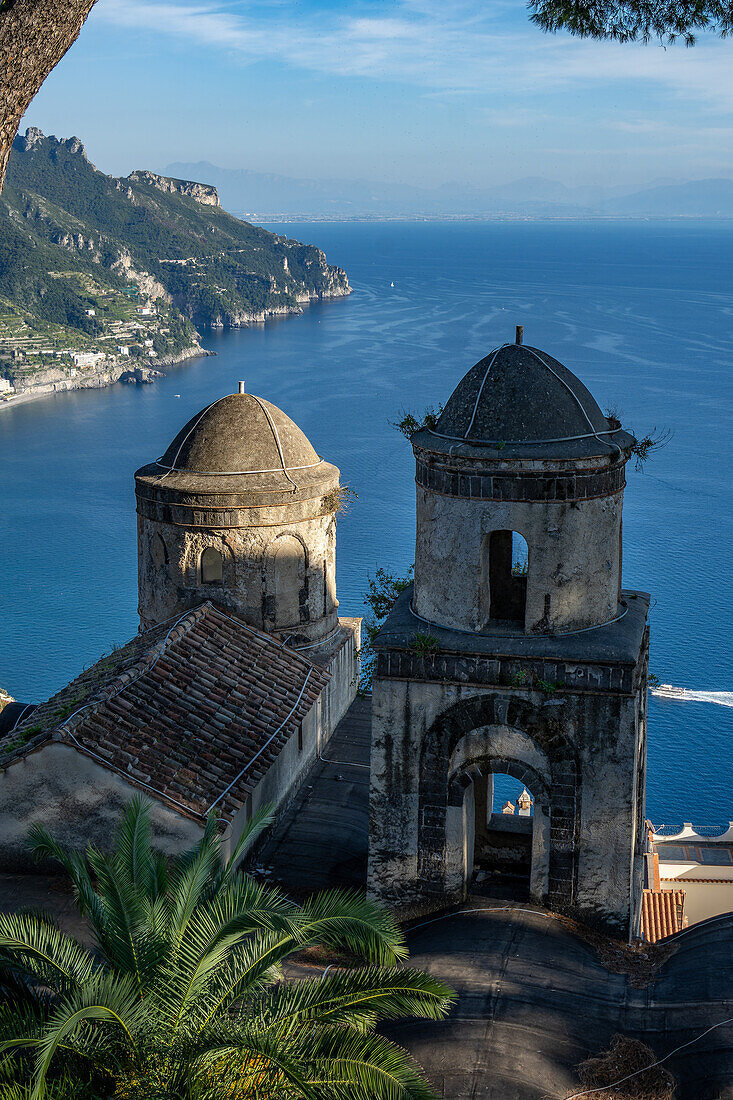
[516,651]
[240,510]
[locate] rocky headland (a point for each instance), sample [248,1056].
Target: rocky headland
[106,277]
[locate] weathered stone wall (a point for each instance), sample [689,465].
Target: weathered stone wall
[279,567]
[581,753]
[79,800]
[285,774]
[574,568]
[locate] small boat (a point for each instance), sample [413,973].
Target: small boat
[176,395]
[669,691]
[391,284]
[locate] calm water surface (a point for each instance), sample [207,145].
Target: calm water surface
[643,313]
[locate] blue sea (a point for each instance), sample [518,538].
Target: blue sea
[643,313]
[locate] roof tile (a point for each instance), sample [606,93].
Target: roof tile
[662,914]
[168,710]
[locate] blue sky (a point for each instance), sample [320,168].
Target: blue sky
[411,91]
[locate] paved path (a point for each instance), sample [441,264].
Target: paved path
[321,840]
[534,999]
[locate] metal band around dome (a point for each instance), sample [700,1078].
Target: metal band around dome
[236,473]
[283,469]
[520,442]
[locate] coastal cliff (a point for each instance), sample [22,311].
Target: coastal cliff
[102,276]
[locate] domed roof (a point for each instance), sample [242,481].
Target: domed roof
[518,394]
[240,434]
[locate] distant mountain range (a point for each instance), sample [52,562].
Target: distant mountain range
[259,194]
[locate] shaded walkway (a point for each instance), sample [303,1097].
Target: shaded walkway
[321,838]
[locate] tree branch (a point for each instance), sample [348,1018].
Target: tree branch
[34,36]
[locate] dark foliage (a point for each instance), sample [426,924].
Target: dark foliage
[634,20]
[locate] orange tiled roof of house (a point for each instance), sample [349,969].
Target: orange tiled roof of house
[183,710]
[662,914]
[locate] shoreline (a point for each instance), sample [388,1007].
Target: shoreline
[102,380]
[112,375]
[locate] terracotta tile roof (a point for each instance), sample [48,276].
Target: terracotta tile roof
[187,708]
[662,914]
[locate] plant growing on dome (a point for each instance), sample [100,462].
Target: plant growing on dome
[339,500]
[424,643]
[182,996]
[409,423]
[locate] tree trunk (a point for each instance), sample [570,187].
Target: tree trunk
[34,36]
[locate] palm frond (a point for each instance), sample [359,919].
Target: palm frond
[346,919]
[249,1065]
[256,825]
[355,998]
[350,1066]
[191,883]
[43,846]
[123,914]
[133,847]
[106,998]
[34,946]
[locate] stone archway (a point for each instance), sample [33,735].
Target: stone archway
[461,821]
[503,733]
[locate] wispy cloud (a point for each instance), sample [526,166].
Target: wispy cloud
[464,46]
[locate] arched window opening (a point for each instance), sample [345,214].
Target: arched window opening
[212,566]
[508,563]
[289,581]
[504,825]
[159,552]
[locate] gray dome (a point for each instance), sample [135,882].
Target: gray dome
[518,394]
[240,434]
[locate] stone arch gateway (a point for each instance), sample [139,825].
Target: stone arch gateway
[484,735]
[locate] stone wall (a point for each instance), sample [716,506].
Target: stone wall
[79,801]
[574,567]
[581,752]
[279,571]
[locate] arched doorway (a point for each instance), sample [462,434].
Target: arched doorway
[486,735]
[504,834]
[491,852]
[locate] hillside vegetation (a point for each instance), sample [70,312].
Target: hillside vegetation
[82,254]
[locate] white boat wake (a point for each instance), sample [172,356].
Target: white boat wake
[685,695]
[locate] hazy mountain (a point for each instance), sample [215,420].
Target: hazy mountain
[256,193]
[696,199]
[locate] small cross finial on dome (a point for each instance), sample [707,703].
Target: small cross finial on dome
[242,388]
[520,335]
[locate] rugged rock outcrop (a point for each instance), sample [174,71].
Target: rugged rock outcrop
[201,192]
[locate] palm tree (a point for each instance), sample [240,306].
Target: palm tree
[183,997]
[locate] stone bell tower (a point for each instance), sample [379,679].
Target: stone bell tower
[516,651]
[240,510]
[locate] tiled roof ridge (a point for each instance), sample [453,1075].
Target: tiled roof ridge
[133,672]
[261,634]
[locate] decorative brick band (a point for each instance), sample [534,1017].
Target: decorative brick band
[519,672]
[180,515]
[550,486]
